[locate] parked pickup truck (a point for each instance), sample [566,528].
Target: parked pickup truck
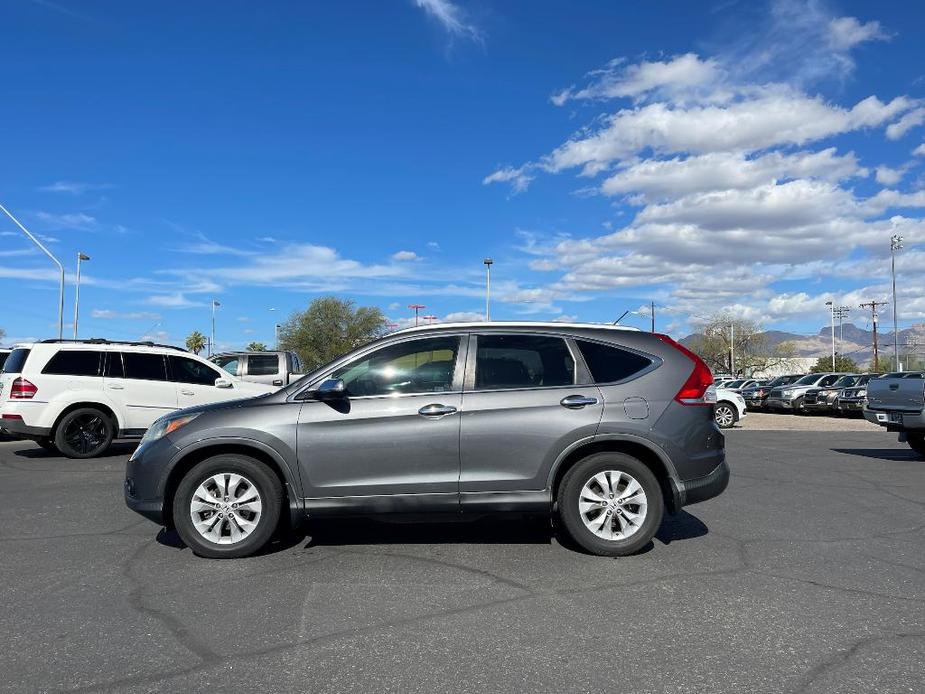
[273,368]
[898,403]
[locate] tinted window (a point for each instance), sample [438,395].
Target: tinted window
[262,364]
[146,367]
[845,381]
[416,366]
[229,364]
[828,380]
[608,364]
[16,361]
[522,361]
[3,356]
[76,362]
[808,380]
[113,367]
[186,370]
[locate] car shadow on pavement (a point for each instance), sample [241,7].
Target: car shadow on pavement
[897,454]
[33,450]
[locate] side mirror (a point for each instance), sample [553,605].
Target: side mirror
[223,383]
[331,389]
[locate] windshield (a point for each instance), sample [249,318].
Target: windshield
[809,379]
[735,384]
[845,381]
[862,381]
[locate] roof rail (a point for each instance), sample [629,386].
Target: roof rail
[104,341]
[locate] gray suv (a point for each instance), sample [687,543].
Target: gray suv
[604,426]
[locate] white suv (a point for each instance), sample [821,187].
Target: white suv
[77,396]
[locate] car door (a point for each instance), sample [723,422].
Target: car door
[393,443]
[527,397]
[264,368]
[137,382]
[194,381]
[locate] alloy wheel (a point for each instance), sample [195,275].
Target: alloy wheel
[85,433]
[612,505]
[724,416]
[226,508]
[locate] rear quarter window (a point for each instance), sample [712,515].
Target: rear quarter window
[16,361]
[74,362]
[609,364]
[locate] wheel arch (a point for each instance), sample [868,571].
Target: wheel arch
[188,457]
[92,404]
[644,451]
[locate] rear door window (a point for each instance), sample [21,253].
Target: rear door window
[522,361]
[262,364]
[609,364]
[74,362]
[144,367]
[186,370]
[16,361]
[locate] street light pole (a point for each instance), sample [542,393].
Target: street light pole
[416,308]
[80,256]
[831,305]
[212,339]
[277,337]
[54,260]
[488,263]
[896,243]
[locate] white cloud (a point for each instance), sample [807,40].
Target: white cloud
[107,314]
[678,75]
[518,178]
[847,32]
[914,118]
[463,317]
[920,150]
[173,300]
[405,256]
[76,221]
[451,17]
[74,187]
[889,176]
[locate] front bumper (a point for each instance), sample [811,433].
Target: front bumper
[819,405]
[779,403]
[144,483]
[850,404]
[702,488]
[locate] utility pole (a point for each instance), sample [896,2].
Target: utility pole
[896,243]
[840,313]
[416,308]
[488,263]
[872,305]
[652,311]
[831,306]
[732,347]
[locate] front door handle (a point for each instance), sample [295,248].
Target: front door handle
[576,402]
[187,392]
[436,410]
[116,386]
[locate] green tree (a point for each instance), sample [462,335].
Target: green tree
[842,363]
[196,342]
[256,347]
[737,345]
[329,328]
[2,333]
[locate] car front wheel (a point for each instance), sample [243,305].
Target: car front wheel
[725,415]
[611,504]
[227,506]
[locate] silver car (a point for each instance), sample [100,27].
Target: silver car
[606,427]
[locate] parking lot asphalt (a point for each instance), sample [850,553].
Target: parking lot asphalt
[807,575]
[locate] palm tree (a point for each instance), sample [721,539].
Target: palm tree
[256,347]
[196,342]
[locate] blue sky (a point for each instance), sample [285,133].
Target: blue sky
[752,158]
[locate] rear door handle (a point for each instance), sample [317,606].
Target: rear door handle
[436,410]
[576,402]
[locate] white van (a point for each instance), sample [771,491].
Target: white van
[77,396]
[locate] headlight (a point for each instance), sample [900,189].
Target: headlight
[787,393]
[167,425]
[862,393]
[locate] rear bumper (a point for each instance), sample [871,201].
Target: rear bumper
[702,488]
[19,429]
[895,420]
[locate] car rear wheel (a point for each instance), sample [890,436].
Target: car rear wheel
[611,504]
[725,415]
[83,433]
[917,443]
[227,506]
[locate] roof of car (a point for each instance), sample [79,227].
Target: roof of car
[102,343]
[477,325]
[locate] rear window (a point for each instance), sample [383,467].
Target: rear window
[74,362]
[609,364]
[262,364]
[144,367]
[16,361]
[3,356]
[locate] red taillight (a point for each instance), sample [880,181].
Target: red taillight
[696,389]
[17,417]
[22,390]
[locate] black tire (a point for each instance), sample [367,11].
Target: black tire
[268,487]
[571,518]
[798,407]
[84,433]
[48,445]
[726,412]
[916,443]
